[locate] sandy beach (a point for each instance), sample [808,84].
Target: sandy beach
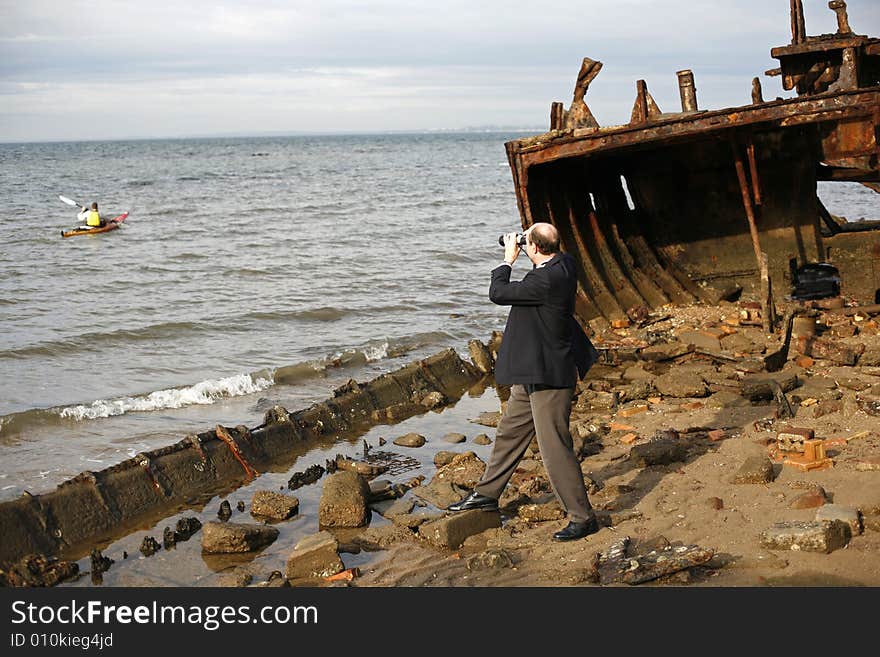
[694,483]
[691,500]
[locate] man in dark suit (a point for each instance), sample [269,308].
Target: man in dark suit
[543,353]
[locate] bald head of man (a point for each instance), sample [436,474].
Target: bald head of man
[545,237]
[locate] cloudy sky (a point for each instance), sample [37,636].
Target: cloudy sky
[104,69]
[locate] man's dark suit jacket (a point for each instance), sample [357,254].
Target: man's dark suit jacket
[542,344]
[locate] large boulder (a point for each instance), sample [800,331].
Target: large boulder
[344,501]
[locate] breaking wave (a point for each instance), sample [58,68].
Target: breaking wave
[212,390]
[204,392]
[290,374]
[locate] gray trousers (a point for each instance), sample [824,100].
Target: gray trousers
[545,414]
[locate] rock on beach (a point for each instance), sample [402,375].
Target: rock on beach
[344,501]
[233,537]
[274,505]
[410,440]
[315,556]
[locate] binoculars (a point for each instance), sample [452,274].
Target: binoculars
[520,240]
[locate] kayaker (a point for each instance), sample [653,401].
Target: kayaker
[90,217]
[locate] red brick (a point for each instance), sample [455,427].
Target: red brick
[629,438]
[805,361]
[345,576]
[617,426]
[803,464]
[632,410]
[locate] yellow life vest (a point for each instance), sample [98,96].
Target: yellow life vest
[93,218]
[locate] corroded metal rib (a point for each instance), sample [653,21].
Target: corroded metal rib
[598,283]
[623,288]
[612,203]
[591,281]
[669,285]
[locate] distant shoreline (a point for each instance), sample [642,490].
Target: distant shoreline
[276,135]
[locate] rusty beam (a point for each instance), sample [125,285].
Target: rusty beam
[579,114]
[613,203]
[839,8]
[795,111]
[767,310]
[847,174]
[746,198]
[520,184]
[557,116]
[798,27]
[687,91]
[640,107]
[622,287]
[753,170]
[814,45]
[595,283]
[757,93]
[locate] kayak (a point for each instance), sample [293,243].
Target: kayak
[112,224]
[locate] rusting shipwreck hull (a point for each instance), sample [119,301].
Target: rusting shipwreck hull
[679,207]
[96,507]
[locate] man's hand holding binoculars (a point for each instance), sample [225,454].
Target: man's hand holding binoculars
[511,247]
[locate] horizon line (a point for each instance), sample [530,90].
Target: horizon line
[292,133]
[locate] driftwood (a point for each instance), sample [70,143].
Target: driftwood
[758,388]
[614,565]
[660,563]
[871,309]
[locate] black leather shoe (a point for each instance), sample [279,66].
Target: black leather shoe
[475,501]
[576,530]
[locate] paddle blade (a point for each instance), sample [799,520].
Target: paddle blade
[69,201]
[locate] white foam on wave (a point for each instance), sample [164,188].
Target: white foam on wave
[204,392]
[367,354]
[377,352]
